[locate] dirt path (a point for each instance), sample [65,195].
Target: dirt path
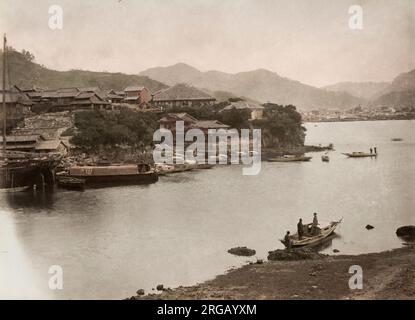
[386,275]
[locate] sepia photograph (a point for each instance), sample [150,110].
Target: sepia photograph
[207,150]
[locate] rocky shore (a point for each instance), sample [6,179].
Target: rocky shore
[386,275]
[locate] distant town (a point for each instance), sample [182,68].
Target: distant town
[359,114]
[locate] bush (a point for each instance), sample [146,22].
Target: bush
[109,129]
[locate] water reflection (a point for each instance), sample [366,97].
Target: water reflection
[177,231]
[35,199]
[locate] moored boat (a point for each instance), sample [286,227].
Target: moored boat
[290,158]
[163,169]
[70,182]
[204,166]
[308,239]
[360,154]
[96,176]
[325,158]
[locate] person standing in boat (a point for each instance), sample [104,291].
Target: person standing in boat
[287,240]
[371,150]
[314,228]
[376,151]
[300,229]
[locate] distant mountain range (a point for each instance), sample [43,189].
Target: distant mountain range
[362,90]
[26,73]
[266,86]
[399,94]
[260,85]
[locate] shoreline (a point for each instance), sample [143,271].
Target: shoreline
[386,275]
[357,120]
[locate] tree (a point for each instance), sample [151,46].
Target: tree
[281,126]
[111,129]
[28,56]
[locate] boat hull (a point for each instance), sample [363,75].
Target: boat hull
[313,240]
[296,159]
[110,180]
[363,155]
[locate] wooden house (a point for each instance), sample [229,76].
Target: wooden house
[136,95]
[182,95]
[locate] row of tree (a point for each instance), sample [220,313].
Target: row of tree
[281,125]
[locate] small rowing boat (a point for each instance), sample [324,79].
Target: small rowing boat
[290,158]
[70,182]
[308,239]
[360,154]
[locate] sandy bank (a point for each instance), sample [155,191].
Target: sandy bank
[386,275]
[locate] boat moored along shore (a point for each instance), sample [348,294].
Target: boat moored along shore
[309,239]
[128,174]
[290,158]
[360,154]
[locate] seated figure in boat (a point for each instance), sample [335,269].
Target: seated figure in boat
[287,240]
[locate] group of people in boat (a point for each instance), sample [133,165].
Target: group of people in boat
[311,229]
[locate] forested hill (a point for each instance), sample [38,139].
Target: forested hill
[24,72]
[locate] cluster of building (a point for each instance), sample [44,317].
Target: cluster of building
[21,101]
[359,114]
[26,104]
[35,143]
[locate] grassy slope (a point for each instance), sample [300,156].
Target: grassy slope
[27,74]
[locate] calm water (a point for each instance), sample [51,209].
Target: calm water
[111,242]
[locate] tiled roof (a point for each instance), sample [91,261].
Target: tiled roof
[134,88]
[48,145]
[209,124]
[240,105]
[13,97]
[22,138]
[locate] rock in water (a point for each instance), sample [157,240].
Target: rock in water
[369,227]
[160,287]
[140,292]
[336,250]
[406,231]
[242,251]
[295,254]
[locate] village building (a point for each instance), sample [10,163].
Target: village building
[205,125]
[182,95]
[26,143]
[89,100]
[52,146]
[137,95]
[17,105]
[256,110]
[168,122]
[114,96]
[69,99]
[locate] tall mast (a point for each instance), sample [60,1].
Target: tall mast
[4,96]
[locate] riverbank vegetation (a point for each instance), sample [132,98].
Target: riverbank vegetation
[281,125]
[97,129]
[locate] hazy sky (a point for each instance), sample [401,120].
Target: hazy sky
[305,40]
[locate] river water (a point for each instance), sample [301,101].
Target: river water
[111,242]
